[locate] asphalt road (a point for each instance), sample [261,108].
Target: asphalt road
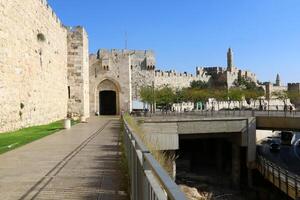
[288,157]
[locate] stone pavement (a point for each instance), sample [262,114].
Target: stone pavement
[81,163]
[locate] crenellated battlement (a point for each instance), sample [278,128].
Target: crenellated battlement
[51,11]
[143,59]
[126,52]
[172,73]
[76,29]
[294,84]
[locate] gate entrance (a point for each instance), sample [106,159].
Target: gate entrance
[108,103]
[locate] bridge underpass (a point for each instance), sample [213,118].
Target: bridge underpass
[236,134]
[234,140]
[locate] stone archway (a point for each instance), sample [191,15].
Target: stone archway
[107,98]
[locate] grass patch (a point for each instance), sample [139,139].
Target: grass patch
[125,183]
[15,139]
[162,157]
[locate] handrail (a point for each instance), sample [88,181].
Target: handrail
[227,113]
[149,181]
[279,176]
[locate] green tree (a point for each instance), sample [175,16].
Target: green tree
[247,83]
[180,95]
[294,96]
[253,94]
[199,84]
[219,95]
[147,94]
[164,97]
[235,94]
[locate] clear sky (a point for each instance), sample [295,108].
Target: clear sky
[264,34]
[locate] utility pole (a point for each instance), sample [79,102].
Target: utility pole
[126,40]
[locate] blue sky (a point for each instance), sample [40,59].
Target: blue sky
[264,35]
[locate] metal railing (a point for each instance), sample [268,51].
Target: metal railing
[281,178]
[149,181]
[224,113]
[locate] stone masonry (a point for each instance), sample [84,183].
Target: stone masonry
[110,71]
[78,72]
[33,65]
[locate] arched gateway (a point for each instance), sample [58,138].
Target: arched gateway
[107,98]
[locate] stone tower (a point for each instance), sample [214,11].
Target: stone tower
[78,72]
[278,83]
[229,60]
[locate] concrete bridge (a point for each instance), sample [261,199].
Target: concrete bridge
[269,120]
[166,133]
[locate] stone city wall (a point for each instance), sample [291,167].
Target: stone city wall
[177,80]
[294,87]
[33,65]
[248,74]
[78,72]
[231,77]
[112,66]
[142,71]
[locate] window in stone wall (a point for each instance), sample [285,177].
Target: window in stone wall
[41,37]
[69,92]
[95,72]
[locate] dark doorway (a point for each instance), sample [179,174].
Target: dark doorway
[108,103]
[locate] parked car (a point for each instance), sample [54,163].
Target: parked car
[274,147]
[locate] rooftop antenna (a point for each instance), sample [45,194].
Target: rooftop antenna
[126,40]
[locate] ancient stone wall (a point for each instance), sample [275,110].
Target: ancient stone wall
[231,77]
[271,89]
[142,71]
[33,65]
[114,66]
[177,80]
[295,88]
[78,72]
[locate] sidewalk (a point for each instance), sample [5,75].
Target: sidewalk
[81,163]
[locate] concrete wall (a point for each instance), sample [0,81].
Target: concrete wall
[33,65]
[278,123]
[78,72]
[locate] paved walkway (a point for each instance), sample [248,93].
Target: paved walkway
[81,163]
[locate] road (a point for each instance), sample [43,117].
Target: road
[288,157]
